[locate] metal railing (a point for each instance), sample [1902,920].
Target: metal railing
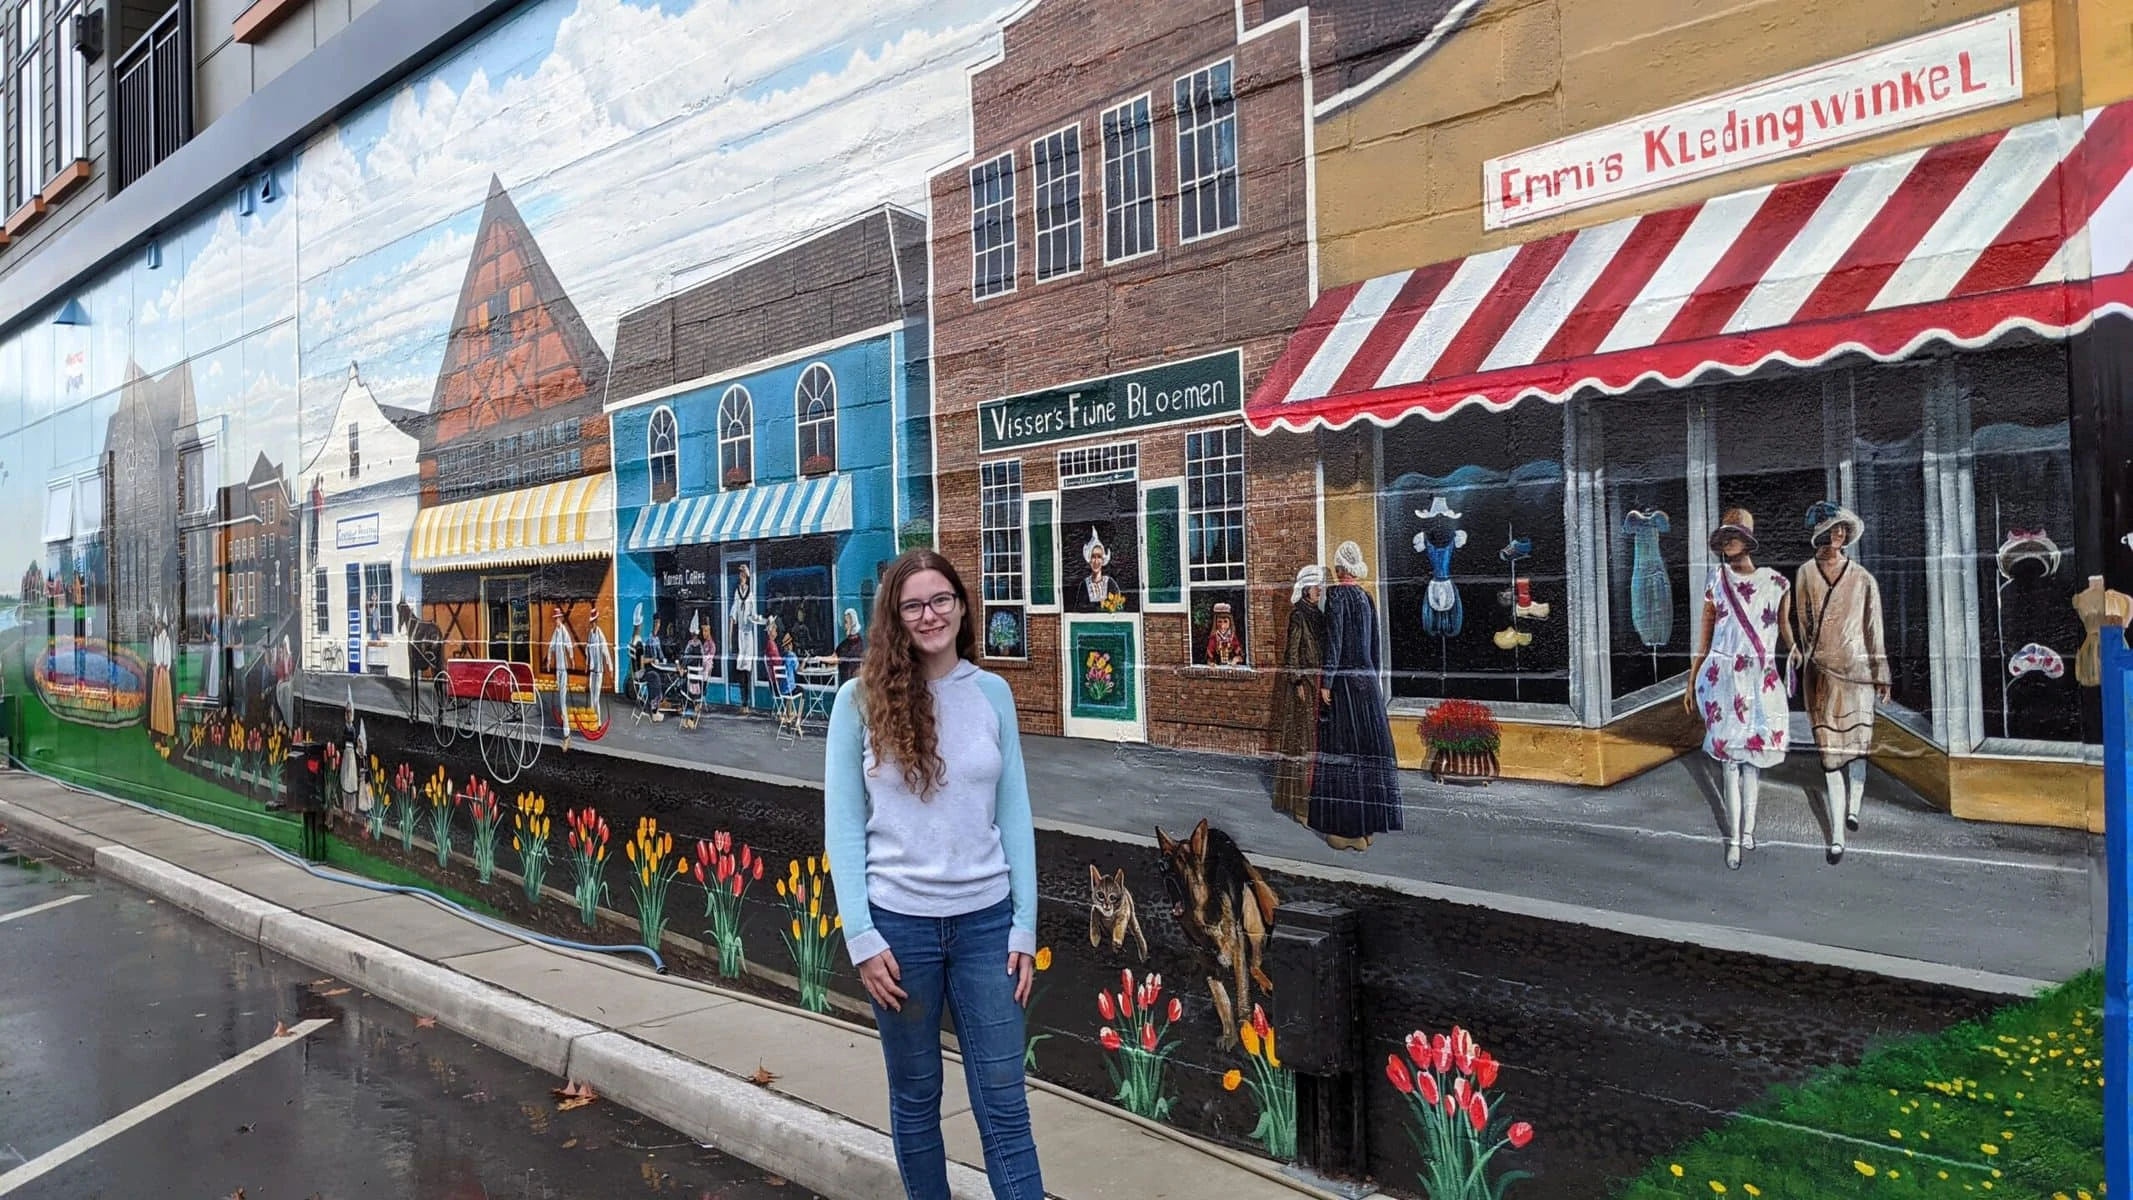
[152,109]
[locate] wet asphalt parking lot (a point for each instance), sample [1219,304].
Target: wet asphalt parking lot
[139,1061]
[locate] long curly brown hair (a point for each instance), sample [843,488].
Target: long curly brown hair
[892,690]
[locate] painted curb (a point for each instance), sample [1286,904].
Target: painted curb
[826,1154]
[822,1151]
[52,833]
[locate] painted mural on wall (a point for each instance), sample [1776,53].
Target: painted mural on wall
[550,482]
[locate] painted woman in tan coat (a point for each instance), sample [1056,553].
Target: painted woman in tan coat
[1837,609]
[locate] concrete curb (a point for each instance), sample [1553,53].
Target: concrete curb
[77,844]
[822,1151]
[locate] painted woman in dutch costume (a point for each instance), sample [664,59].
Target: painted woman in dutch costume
[1837,605]
[1296,696]
[1355,785]
[1738,686]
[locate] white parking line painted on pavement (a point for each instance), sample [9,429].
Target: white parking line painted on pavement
[38,908]
[58,1155]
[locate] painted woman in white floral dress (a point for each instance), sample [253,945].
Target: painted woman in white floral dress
[1739,688]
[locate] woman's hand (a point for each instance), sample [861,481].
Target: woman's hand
[1024,969]
[880,974]
[1325,695]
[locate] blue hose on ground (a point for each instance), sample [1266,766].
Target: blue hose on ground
[658,964]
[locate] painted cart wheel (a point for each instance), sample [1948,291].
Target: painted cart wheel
[503,727]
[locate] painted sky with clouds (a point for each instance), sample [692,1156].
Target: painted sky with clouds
[751,124]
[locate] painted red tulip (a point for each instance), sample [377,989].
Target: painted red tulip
[736,886]
[1125,980]
[1460,1091]
[1108,1038]
[1418,1050]
[1519,1135]
[724,840]
[1441,1053]
[1175,1010]
[1485,1069]
[1125,1002]
[703,851]
[1260,1025]
[1463,1050]
[1148,1036]
[747,856]
[758,871]
[1426,1084]
[1105,1007]
[698,871]
[1477,1112]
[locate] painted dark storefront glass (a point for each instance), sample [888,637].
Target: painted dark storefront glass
[1648,527]
[1480,617]
[815,411]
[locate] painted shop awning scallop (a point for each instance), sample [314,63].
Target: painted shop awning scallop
[2029,228]
[772,510]
[555,522]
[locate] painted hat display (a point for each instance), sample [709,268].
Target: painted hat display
[1825,515]
[1737,522]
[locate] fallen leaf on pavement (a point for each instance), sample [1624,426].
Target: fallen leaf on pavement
[237,1195]
[774,1180]
[572,1142]
[763,1076]
[336,991]
[281,1030]
[246,1127]
[425,1022]
[321,982]
[574,1095]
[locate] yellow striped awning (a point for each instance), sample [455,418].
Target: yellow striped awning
[554,522]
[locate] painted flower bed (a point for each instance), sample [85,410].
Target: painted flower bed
[2011,1106]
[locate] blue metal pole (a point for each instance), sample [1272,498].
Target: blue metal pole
[2118,866]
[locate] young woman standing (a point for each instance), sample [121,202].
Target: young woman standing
[933,854]
[1737,685]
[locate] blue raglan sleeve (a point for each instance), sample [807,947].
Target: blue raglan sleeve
[1017,824]
[844,823]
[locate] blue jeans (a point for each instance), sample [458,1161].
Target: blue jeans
[960,963]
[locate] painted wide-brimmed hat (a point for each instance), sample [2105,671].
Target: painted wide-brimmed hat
[1736,522]
[1826,515]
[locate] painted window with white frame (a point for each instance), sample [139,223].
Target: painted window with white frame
[992,227]
[1000,528]
[1214,505]
[1207,152]
[1129,181]
[736,438]
[662,454]
[321,603]
[1056,175]
[814,401]
[26,88]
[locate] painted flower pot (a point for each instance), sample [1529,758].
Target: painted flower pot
[1462,766]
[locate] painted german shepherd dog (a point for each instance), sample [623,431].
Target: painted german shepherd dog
[1225,910]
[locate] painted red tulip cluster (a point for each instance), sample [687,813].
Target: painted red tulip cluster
[1460,1128]
[725,876]
[1136,1039]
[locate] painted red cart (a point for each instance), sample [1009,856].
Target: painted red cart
[497,704]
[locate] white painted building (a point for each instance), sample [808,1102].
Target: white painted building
[360,492]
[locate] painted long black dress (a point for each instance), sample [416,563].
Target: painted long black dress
[1355,789]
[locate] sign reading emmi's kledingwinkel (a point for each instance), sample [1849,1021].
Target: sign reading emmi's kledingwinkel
[1192,390]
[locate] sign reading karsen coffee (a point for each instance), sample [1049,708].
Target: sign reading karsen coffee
[1958,69]
[1191,390]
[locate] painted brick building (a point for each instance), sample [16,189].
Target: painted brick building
[1115,259]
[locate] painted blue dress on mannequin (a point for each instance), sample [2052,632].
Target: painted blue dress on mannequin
[1443,614]
[1651,596]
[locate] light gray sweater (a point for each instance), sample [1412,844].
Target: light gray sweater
[965,848]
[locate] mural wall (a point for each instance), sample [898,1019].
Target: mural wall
[1622,541]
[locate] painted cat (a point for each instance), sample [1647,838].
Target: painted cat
[1111,909]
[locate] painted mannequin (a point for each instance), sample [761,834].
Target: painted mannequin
[1651,596]
[1736,686]
[1837,610]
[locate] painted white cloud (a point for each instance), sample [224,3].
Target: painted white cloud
[757,122]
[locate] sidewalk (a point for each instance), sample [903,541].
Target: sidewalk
[676,1050]
[1920,894]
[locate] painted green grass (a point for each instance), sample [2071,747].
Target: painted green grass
[2011,1107]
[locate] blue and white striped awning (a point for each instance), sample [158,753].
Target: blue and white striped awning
[776,510]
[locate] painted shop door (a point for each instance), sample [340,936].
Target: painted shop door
[508,603]
[1103,678]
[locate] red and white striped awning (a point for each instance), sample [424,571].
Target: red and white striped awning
[2026,228]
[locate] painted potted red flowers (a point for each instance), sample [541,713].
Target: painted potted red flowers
[1463,738]
[1459,1125]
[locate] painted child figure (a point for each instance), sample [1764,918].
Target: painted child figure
[1738,687]
[1837,603]
[1224,647]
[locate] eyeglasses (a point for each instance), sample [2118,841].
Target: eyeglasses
[942,603]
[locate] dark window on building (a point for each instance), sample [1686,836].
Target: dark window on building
[1129,181]
[992,227]
[736,438]
[815,408]
[1056,171]
[663,455]
[1207,153]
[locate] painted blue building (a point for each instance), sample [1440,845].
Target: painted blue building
[771,448]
